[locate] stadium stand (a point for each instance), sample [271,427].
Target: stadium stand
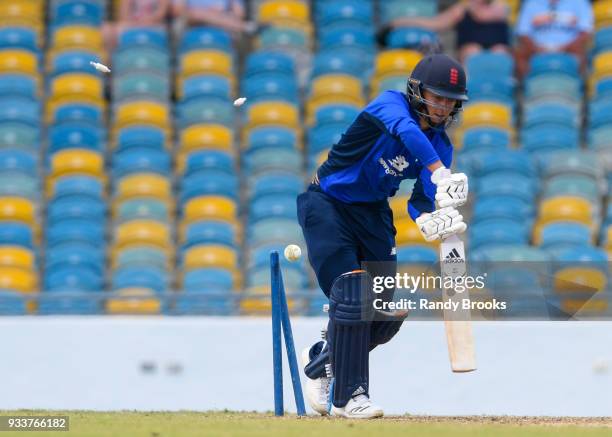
[146,191]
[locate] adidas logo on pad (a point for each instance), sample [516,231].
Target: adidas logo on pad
[453,257]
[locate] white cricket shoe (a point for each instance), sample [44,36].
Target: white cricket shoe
[317,390]
[358,407]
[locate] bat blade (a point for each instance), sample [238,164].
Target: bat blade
[457,323]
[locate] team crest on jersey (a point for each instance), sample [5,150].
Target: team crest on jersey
[399,162]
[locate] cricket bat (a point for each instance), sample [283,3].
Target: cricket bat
[457,323]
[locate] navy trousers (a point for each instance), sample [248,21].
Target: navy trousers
[341,236]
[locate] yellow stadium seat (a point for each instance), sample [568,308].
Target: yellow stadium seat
[602,11]
[20,13]
[408,233]
[134,301]
[144,185]
[281,12]
[396,61]
[564,208]
[206,62]
[18,61]
[256,301]
[16,279]
[210,256]
[77,37]
[142,112]
[322,157]
[16,256]
[336,84]
[487,114]
[584,306]
[145,232]
[210,208]
[77,84]
[17,209]
[273,113]
[206,136]
[399,206]
[579,279]
[608,237]
[313,105]
[77,161]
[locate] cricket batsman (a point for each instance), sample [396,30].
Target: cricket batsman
[346,220]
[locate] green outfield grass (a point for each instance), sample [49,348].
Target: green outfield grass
[189,424]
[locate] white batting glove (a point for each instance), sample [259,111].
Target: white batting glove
[452,187]
[441,223]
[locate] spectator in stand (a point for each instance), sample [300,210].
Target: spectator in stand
[226,14]
[480,25]
[135,13]
[553,26]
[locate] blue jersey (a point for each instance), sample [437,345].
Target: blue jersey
[382,147]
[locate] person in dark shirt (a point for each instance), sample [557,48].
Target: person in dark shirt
[480,25]
[346,221]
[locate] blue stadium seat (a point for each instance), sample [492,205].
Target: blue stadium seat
[75,135]
[360,38]
[141,160]
[270,87]
[273,206]
[499,65]
[141,58]
[73,62]
[78,185]
[507,184]
[281,230]
[19,184]
[560,236]
[504,161]
[283,38]
[324,137]
[20,110]
[206,38]
[293,279]
[339,61]
[268,62]
[205,110]
[583,256]
[550,137]
[18,38]
[18,161]
[207,86]
[343,14]
[77,12]
[205,160]
[336,114]
[209,183]
[270,159]
[202,280]
[497,231]
[545,63]
[13,304]
[142,256]
[76,207]
[573,185]
[417,254]
[75,255]
[271,136]
[276,183]
[143,208]
[485,138]
[549,113]
[75,231]
[73,279]
[141,136]
[144,36]
[411,38]
[79,113]
[18,85]
[210,232]
[16,234]
[146,277]
[502,207]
